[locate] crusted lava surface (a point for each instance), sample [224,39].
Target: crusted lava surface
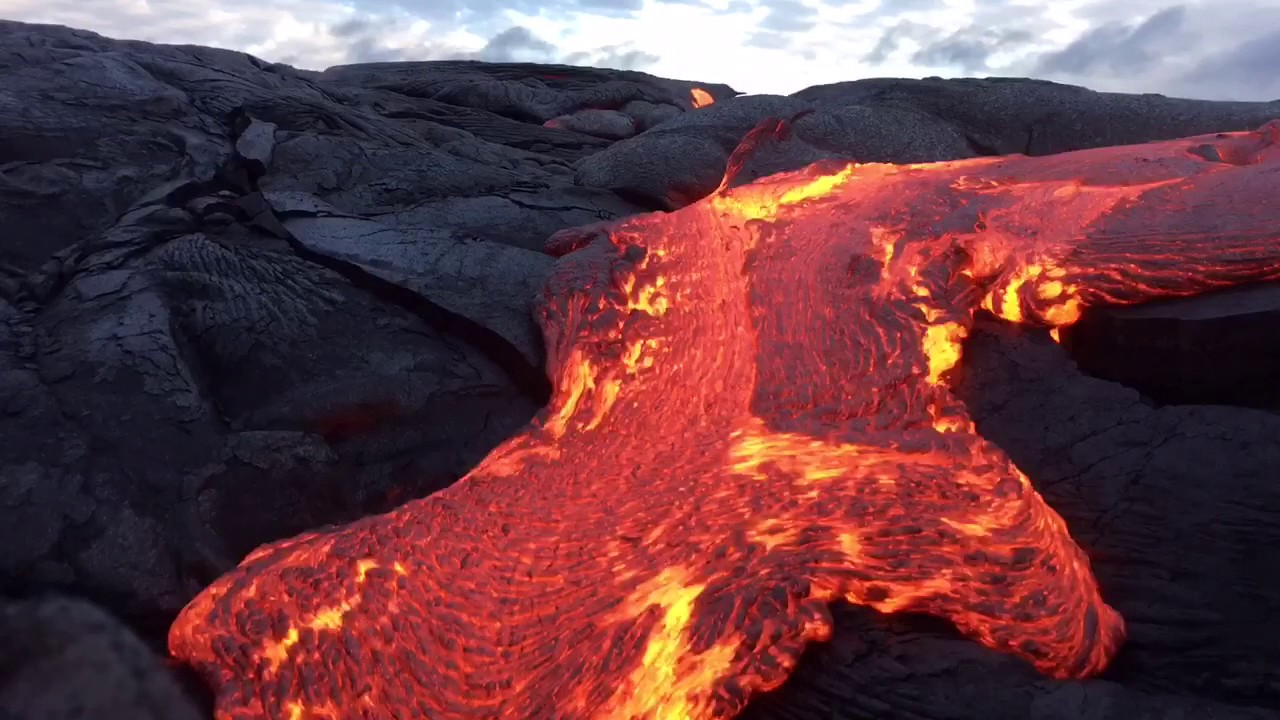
[750,420]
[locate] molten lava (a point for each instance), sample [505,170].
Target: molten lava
[700,98]
[750,420]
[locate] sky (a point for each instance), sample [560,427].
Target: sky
[1214,49]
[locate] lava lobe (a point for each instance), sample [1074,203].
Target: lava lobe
[750,420]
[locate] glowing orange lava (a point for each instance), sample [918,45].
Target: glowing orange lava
[701,98]
[750,420]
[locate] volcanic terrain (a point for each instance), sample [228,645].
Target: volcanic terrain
[469,390]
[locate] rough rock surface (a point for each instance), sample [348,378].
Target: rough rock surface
[238,300]
[101,669]
[1219,348]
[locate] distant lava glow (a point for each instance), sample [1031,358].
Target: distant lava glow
[750,420]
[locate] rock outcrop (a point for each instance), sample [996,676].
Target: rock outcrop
[64,659]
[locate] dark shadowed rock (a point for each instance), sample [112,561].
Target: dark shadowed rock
[728,120]
[113,121]
[487,284]
[239,301]
[159,424]
[869,133]
[448,182]
[523,91]
[683,158]
[434,119]
[609,124]
[64,659]
[909,667]
[645,172]
[1220,348]
[1000,116]
[63,176]
[647,115]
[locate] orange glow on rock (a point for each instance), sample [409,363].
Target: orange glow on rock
[750,421]
[700,98]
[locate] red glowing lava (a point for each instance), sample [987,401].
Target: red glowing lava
[750,420]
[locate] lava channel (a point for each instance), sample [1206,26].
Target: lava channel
[750,421]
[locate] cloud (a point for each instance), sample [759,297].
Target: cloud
[1217,50]
[971,48]
[514,44]
[788,16]
[940,39]
[892,38]
[1251,64]
[517,44]
[1118,46]
[1205,48]
[619,57]
[769,40]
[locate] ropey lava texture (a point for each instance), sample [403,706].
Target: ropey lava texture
[750,420]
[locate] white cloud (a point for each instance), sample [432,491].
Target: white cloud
[1209,48]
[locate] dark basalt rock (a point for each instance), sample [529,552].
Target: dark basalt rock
[527,92]
[1221,348]
[239,300]
[100,669]
[1001,116]
[608,124]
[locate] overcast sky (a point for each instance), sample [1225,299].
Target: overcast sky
[1227,49]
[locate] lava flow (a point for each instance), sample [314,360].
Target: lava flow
[750,421]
